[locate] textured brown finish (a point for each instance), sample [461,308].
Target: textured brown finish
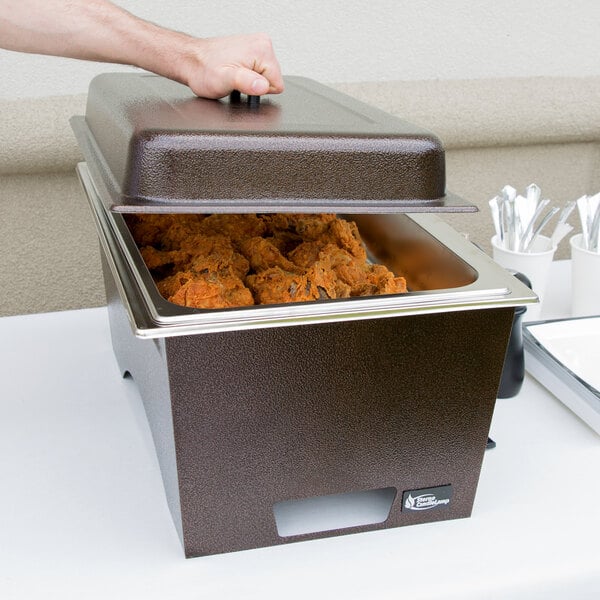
[286,413]
[159,148]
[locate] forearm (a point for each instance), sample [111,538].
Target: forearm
[98,30]
[91,30]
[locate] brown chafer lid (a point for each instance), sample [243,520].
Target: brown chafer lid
[156,147]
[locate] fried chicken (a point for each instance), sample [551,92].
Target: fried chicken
[156,259]
[362,278]
[276,286]
[236,227]
[224,260]
[262,254]
[210,290]
[165,232]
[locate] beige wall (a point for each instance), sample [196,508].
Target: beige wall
[49,250]
[48,245]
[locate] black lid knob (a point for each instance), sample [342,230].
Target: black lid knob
[235,97]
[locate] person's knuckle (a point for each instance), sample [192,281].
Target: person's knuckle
[263,41]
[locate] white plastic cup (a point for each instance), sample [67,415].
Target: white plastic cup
[535,265]
[585,279]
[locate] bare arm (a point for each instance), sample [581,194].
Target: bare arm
[100,31]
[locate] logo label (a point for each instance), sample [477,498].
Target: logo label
[427,498]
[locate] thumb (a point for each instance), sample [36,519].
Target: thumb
[250,82]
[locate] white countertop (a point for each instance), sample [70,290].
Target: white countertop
[83,512]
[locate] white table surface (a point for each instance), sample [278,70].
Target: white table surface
[83,513]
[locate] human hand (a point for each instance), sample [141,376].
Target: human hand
[214,67]
[99,30]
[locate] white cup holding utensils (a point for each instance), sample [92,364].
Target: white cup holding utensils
[585,279]
[535,265]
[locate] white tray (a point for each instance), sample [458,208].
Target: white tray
[564,356]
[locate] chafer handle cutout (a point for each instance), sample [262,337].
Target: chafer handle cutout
[236,97]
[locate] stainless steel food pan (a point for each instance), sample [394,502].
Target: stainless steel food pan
[443,270]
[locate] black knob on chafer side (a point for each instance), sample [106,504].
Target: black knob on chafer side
[513,371]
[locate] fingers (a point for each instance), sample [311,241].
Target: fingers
[247,63]
[267,65]
[249,82]
[259,56]
[275,79]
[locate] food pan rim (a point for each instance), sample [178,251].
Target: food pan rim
[494,287]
